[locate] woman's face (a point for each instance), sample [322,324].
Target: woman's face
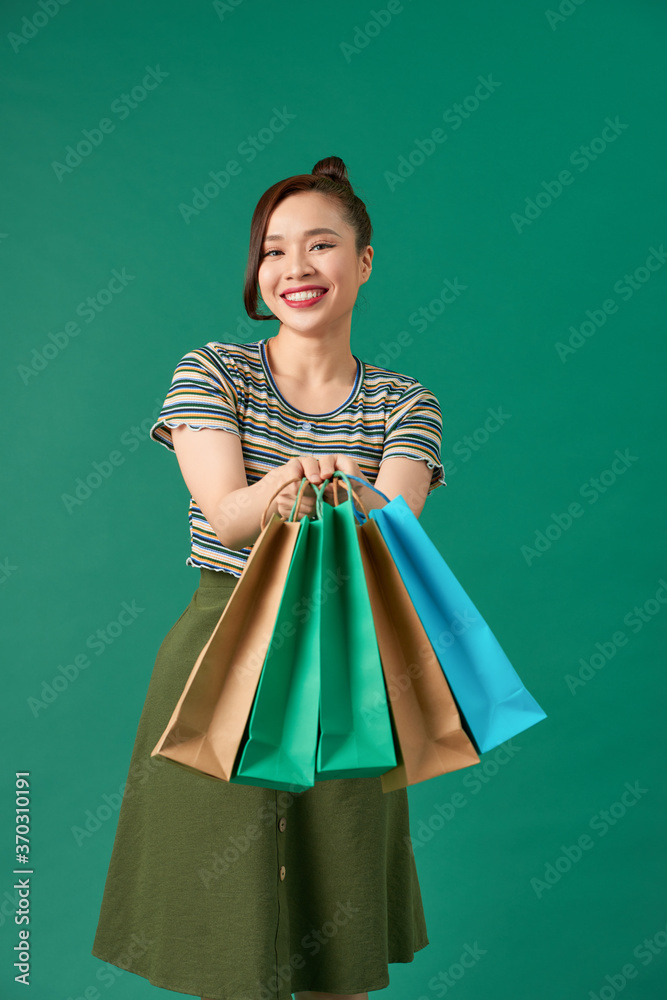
[294,256]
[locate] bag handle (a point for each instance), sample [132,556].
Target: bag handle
[293,514]
[336,482]
[336,478]
[367,485]
[345,477]
[342,478]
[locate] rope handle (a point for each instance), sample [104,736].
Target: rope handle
[346,476]
[369,487]
[336,481]
[342,478]
[293,515]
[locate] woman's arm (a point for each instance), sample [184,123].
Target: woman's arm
[212,465]
[211,462]
[407,476]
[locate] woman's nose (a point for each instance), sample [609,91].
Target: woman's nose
[297,265]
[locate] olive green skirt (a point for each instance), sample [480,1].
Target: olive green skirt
[235,892]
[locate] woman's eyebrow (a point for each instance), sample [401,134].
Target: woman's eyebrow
[307,232]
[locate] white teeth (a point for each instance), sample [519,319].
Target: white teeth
[314,293]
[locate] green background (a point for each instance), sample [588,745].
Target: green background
[557,79]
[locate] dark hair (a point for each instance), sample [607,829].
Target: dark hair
[329,176]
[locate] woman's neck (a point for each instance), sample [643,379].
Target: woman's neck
[315,364]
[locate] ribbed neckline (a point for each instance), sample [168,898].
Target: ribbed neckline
[302,413]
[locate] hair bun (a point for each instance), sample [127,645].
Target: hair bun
[333,167]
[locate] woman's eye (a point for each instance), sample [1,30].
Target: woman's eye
[314,247]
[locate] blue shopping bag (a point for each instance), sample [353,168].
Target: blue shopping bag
[489,692]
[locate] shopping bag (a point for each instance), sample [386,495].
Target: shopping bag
[488,690]
[209,719]
[356,738]
[282,734]
[427,723]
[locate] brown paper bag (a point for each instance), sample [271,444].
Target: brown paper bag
[426,719]
[209,720]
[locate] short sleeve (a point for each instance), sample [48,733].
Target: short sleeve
[202,394]
[414,430]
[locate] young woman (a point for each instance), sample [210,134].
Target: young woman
[236,892]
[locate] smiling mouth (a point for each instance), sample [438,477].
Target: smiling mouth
[308,298]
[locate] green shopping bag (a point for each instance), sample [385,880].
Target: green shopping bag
[282,733]
[356,738]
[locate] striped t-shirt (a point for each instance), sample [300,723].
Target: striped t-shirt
[230,386]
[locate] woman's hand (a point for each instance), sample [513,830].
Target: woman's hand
[343,463]
[297,468]
[316,469]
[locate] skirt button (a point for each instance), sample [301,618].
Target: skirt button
[282,873]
